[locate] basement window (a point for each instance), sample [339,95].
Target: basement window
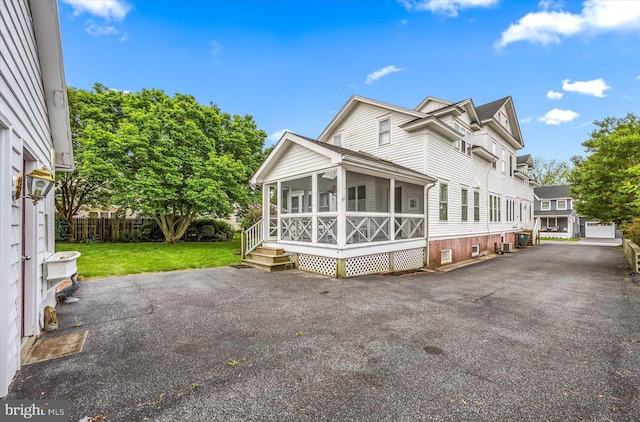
[445,256]
[475,250]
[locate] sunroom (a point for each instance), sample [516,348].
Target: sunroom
[339,212]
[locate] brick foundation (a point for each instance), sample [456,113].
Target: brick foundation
[461,249]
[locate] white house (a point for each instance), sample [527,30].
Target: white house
[389,188]
[34,132]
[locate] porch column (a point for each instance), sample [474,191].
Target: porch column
[265,211]
[341,197]
[279,209]
[392,209]
[314,208]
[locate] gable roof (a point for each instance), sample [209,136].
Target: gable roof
[487,112]
[353,102]
[338,155]
[551,192]
[524,159]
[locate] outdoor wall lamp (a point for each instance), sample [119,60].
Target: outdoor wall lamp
[39,183]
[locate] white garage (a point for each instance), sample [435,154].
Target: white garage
[602,231]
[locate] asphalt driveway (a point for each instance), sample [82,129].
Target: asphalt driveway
[549,333]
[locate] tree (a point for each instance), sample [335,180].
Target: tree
[177,159]
[550,172]
[605,182]
[94,118]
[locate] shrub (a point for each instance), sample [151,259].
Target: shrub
[208,230]
[632,231]
[150,231]
[62,229]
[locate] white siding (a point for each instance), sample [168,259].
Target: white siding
[296,160]
[25,134]
[360,133]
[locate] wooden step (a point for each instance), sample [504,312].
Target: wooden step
[266,266]
[268,258]
[264,250]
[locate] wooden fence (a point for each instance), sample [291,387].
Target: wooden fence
[107,229]
[632,253]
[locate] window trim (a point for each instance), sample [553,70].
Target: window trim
[388,131]
[558,205]
[337,136]
[445,202]
[476,206]
[542,207]
[464,205]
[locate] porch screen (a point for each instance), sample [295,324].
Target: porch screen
[367,193]
[296,196]
[327,189]
[409,198]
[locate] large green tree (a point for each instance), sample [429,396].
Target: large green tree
[177,159]
[550,172]
[605,182]
[94,119]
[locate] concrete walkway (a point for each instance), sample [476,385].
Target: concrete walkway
[549,333]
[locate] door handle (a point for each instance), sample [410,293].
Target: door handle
[26,258]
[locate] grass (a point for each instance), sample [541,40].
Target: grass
[115,259]
[562,239]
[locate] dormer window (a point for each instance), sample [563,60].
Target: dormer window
[337,139]
[384,131]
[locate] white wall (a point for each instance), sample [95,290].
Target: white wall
[25,135]
[428,153]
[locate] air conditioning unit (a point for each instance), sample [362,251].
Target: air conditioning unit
[507,247]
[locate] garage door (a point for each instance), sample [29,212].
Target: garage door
[603,231]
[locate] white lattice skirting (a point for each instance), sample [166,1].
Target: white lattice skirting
[368,264]
[318,264]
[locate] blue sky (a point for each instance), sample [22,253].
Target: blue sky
[293,64]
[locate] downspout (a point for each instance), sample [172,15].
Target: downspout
[426,231]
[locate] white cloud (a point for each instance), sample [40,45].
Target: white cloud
[97,30]
[546,27]
[445,7]
[638,77]
[526,119]
[381,73]
[106,9]
[553,95]
[595,87]
[275,136]
[557,116]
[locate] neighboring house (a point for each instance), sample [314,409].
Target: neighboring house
[554,207]
[390,188]
[34,132]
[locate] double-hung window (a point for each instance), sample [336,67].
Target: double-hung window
[384,131]
[357,198]
[476,206]
[464,205]
[444,202]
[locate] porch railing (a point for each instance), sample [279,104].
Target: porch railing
[536,231]
[252,238]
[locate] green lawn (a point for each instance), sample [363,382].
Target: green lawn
[562,239]
[113,259]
